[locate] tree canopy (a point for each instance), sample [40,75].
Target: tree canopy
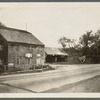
[88,45]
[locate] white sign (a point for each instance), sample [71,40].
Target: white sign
[28,55]
[38,55]
[10,64]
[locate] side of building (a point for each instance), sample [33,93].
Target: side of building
[25,56]
[19,49]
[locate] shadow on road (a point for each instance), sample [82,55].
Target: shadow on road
[6,84]
[91,85]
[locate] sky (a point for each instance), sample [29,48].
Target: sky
[51,21]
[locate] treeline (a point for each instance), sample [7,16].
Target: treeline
[88,45]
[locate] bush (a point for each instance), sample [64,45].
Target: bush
[39,66]
[36,67]
[44,67]
[10,68]
[18,68]
[48,67]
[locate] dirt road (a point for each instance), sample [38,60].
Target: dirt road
[64,75]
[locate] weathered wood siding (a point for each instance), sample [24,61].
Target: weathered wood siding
[17,52]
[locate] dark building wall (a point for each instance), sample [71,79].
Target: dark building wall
[56,58]
[3,53]
[3,50]
[17,55]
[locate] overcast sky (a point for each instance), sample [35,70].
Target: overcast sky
[50,21]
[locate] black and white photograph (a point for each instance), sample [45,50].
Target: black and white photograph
[49,48]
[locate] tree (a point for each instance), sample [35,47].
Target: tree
[95,48]
[88,46]
[2,25]
[68,45]
[62,41]
[66,42]
[91,45]
[86,40]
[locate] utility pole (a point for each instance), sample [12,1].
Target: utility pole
[26,26]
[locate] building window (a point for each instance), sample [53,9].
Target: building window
[18,60]
[29,61]
[38,61]
[30,47]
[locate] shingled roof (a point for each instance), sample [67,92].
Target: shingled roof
[55,51]
[19,36]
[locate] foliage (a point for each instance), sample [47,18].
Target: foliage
[68,45]
[2,25]
[66,42]
[89,46]
[86,41]
[42,67]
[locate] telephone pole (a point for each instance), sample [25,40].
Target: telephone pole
[26,26]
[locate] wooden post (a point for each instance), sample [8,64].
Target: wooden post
[55,59]
[34,67]
[4,68]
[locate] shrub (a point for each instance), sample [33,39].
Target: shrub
[48,67]
[39,66]
[34,67]
[18,69]
[44,67]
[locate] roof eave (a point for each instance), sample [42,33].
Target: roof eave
[57,54]
[25,43]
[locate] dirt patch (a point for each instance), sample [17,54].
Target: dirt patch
[86,86]
[73,60]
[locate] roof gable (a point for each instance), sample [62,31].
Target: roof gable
[19,36]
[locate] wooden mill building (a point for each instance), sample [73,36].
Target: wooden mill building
[19,48]
[55,55]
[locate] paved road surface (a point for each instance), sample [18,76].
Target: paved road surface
[43,81]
